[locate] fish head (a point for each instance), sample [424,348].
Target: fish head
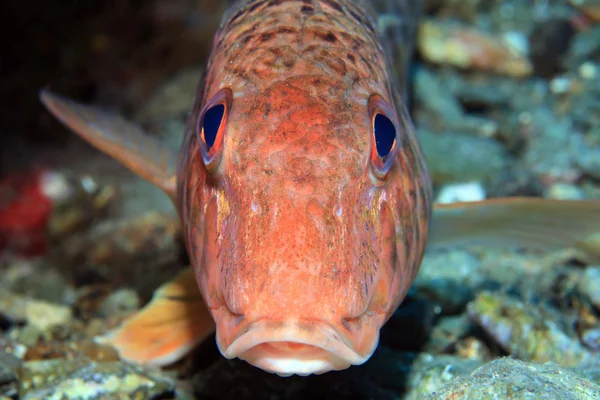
[305,226]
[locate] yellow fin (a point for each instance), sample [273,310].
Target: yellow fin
[166,328]
[518,222]
[119,138]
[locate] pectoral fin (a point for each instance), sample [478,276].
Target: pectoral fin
[119,138]
[167,328]
[519,222]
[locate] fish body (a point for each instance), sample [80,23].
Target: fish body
[303,194]
[291,228]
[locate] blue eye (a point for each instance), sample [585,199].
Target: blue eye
[385,135]
[211,124]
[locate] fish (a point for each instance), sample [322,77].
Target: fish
[303,194]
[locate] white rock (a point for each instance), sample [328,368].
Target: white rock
[457,192]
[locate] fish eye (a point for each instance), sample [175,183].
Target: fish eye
[211,123]
[384,137]
[211,126]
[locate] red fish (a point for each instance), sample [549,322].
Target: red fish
[303,194]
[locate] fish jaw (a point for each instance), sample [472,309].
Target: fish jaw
[299,347]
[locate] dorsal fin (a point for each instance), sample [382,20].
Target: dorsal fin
[119,138]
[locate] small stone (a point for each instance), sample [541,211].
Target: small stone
[29,335]
[589,162]
[588,70]
[141,252]
[473,348]
[9,364]
[70,351]
[591,338]
[589,285]
[524,331]
[470,191]
[120,302]
[42,314]
[458,157]
[448,279]
[560,85]
[564,191]
[447,332]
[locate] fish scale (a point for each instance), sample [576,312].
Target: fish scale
[303,239]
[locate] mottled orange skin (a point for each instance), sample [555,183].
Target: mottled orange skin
[293,223]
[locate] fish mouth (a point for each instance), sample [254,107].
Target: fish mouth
[290,348]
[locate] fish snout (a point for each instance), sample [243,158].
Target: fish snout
[300,346]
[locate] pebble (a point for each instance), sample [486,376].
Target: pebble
[458,192]
[41,314]
[589,284]
[564,191]
[524,331]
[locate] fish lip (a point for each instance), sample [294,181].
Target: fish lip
[326,349]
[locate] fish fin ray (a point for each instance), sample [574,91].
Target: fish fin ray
[520,222]
[119,138]
[167,328]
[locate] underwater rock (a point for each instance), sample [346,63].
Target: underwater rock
[591,338]
[38,279]
[448,279]
[458,192]
[121,302]
[71,350]
[589,162]
[524,331]
[141,252]
[473,349]
[470,48]
[431,372]
[509,378]
[446,333]
[589,284]
[84,379]
[553,149]
[9,364]
[434,97]
[457,157]
[41,314]
[585,47]
[564,191]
